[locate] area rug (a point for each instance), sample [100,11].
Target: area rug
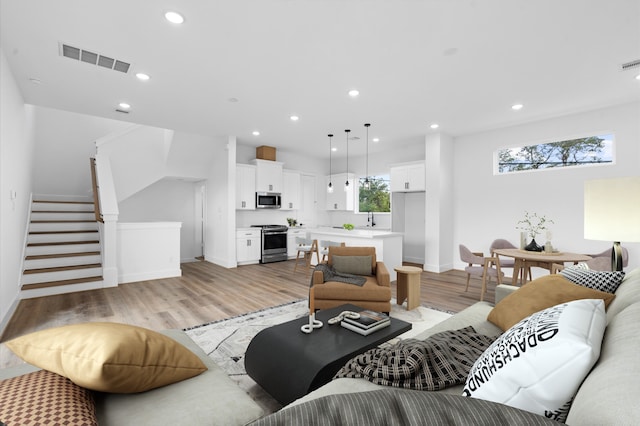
[226,341]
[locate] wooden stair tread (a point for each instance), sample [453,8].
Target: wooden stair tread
[63,211]
[61,282]
[62,268]
[79,231]
[62,243]
[63,221]
[55,255]
[62,202]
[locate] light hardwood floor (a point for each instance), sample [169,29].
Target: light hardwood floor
[205,292]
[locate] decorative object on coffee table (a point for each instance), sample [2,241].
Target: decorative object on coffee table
[533,224]
[313,322]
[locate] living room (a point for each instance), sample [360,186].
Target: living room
[462,66]
[464,190]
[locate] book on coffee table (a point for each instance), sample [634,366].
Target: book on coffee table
[368,322]
[367,319]
[365,331]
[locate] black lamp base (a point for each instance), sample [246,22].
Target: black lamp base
[616,257]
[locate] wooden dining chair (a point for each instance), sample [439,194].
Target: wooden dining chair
[501,243]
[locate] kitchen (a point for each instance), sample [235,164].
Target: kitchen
[267,194]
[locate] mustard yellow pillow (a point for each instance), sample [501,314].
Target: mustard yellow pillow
[109,357]
[539,294]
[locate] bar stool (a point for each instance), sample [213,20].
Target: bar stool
[306,247]
[324,248]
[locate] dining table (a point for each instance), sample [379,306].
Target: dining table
[524,260]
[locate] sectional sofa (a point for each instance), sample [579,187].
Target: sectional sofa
[607,396]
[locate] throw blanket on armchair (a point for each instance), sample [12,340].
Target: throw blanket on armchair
[440,361]
[330,274]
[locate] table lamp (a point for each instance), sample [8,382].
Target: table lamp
[612,213]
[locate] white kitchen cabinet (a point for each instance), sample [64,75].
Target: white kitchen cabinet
[408,177]
[248,245]
[340,199]
[245,187]
[268,176]
[291,191]
[292,234]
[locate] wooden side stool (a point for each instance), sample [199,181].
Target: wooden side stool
[408,286]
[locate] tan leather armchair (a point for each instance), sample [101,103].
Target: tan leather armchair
[375,294]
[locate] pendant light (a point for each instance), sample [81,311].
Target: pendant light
[330,186]
[367,182]
[346,184]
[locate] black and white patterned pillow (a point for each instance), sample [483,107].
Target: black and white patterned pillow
[607,281]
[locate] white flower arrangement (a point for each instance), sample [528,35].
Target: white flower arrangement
[533,224]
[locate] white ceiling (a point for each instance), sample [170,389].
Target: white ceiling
[460,63]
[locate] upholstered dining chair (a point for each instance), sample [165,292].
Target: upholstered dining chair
[306,248]
[501,243]
[479,265]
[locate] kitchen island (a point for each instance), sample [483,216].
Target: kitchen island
[388,244]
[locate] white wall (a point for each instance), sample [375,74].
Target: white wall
[65,141]
[220,240]
[16,166]
[168,200]
[488,206]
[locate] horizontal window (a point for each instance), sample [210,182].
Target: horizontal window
[584,151]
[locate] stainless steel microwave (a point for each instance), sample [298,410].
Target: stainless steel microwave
[268,200]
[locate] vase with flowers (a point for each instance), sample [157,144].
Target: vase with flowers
[533,224]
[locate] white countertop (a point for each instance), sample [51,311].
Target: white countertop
[355,233]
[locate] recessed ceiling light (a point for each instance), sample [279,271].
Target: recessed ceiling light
[638,77]
[294,118]
[124,105]
[174,17]
[256,133]
[142,76]
[353,93]
[35,80]
[376,139]
[434,126]
[516,107]
[334,149]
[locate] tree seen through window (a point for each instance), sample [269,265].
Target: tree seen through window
[375,198]
[571,152]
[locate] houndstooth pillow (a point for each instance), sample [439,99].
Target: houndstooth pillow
[45,398]
[599,280]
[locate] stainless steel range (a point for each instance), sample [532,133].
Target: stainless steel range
[274,243]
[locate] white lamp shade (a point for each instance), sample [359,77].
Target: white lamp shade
[612,209]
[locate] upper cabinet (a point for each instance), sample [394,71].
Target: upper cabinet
[291,193]
[268,176]
[340,199]
[408,177]
[245,187]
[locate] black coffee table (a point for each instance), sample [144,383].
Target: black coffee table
[289,364]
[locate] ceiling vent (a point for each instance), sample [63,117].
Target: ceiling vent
[93,58]
[630,65]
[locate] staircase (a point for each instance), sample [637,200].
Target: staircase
[63,248]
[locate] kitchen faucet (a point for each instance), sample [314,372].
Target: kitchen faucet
[370,219]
